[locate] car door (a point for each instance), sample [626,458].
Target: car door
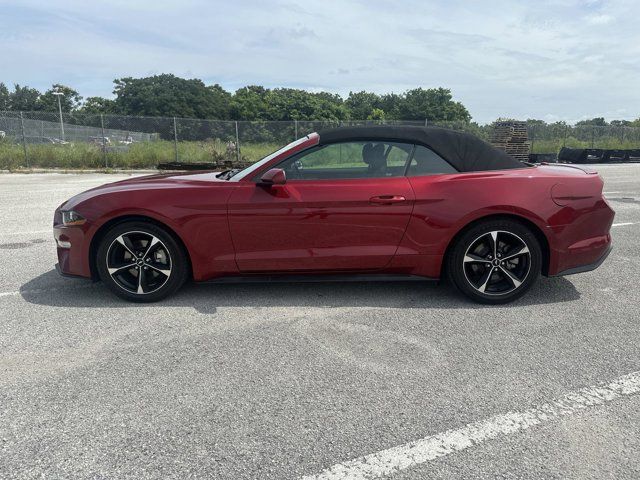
[343,207]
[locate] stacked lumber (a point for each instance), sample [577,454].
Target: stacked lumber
[511,136]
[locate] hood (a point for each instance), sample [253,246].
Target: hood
[160,179]
[148,182]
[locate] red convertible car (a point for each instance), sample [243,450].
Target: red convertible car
[362,202]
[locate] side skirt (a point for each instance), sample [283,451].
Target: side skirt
[319,278]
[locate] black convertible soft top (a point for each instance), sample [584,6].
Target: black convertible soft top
[464,151]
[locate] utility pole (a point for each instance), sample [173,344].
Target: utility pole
[60,94]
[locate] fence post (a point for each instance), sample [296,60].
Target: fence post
[295,127]
[593,133]
[24,141]
[237,144]
[426,122]
[533,136]
[175,138]
[104,145]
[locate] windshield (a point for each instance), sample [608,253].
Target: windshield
[252,168]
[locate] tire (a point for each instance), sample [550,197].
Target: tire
[159,272]
[495,275]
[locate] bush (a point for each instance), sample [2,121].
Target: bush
[11,156]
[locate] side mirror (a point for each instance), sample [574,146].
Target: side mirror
[275,176]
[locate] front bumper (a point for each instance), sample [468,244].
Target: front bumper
[73,251]
[68,275]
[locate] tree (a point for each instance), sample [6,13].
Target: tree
[219,102]
[294,104]
[434,104]
[596,122]
[259,103]
[98,105]
[70,100]
[621,123]
[167,96]
[362,104]
[170,96]
[330,106]
[249,103]
[376,114]
[5,99]
[24,99]
[390,103]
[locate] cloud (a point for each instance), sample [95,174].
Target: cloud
[562,59]
[599,19]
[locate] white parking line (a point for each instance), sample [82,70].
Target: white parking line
[429,448]
[33,232]
[32,191]
[622,224]
[45,290]
[8,294]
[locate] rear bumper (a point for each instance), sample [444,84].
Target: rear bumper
[579,237]
[587,267]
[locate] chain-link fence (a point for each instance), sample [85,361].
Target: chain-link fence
[44,140]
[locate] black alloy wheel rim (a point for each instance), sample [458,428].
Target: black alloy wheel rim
[497,263]
[138,262]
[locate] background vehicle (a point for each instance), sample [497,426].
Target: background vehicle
[376,202]
[48,140]
[100,141]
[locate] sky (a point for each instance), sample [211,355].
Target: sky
[552,60]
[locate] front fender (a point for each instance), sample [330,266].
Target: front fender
[197,217]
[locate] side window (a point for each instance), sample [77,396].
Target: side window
[428,162]
[365,159]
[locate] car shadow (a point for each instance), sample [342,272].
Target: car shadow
[51,289]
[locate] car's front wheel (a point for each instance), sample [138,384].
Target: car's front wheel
[495,261]
[141,262]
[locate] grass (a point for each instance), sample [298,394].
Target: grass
[147,155]
[137,156]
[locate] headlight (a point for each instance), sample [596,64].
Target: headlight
[70,218]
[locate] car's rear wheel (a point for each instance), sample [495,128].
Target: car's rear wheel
[141,262]
[495,261]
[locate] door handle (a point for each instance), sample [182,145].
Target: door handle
[387,199]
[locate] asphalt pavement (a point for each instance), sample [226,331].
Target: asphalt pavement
[283,381]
